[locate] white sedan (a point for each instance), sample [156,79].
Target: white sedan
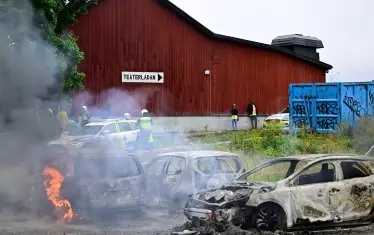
[108,130]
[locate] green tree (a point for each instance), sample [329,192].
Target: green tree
[54,18]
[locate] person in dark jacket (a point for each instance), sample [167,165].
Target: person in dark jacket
[252,113]
[234,117]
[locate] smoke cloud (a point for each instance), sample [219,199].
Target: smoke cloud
[29,67]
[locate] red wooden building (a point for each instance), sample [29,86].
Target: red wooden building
[157,36]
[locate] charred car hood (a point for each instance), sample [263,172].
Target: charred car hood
[227,194]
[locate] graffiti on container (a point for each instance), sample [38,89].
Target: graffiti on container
[299,109]
[328,108]
[305,97]
[300,123]
[354,105]
[327,123]
[371,99]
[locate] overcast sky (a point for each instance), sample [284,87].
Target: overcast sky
[346,27]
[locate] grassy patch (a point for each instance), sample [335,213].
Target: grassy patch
[274,143]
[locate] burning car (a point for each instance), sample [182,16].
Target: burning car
[294,192]
[171,177]
[105,183]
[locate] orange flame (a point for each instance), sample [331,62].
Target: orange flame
[52,183]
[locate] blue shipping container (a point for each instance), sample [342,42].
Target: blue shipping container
[322,106]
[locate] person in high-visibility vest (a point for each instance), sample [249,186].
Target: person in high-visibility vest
[84,116]
[252,113]
[63,119]
[234,117]
[145,124]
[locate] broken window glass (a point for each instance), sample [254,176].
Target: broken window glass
[354,169]
[210,165]
[176,166]
[271,173]
[122,167]
[156,167]
[317,173]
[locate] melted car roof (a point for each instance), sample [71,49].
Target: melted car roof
[198,154]
[313,157]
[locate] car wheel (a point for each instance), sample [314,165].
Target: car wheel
[270,217]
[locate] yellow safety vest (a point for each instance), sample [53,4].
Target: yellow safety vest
[253,110]
[63,118]
[234,117]
[84,116]
[50,110]
[145,123]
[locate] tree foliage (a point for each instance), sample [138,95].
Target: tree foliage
[54,18]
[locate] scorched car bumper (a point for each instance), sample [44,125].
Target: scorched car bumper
[202,214]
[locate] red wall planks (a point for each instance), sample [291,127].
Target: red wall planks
[142,35]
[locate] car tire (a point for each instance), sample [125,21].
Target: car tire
[270,217]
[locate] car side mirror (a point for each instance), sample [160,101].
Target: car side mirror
[105,132]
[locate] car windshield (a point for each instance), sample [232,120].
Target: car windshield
[91,130]
[273,171]
[221,164]
[107,168]
[285,110]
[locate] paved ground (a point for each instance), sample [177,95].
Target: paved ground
[154,222]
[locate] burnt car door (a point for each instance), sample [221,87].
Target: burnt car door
[155,172]
[310,194]
[173,175]
[354,194]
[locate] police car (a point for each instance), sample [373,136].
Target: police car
[280,119]
[98,132]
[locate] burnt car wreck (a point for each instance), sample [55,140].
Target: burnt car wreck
[291,193]
[100,185]
[171,177]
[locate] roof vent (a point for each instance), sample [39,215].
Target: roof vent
[300,44]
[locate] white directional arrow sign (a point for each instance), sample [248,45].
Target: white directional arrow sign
[143,77]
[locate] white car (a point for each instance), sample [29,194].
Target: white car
[282,119]
[296,192]
[103,131]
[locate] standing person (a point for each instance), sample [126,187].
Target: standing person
[234,117]
[145,124]
[252,113]
[84,117]
[127,116]
[63,119]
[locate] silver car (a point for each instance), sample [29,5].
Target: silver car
[171,177]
